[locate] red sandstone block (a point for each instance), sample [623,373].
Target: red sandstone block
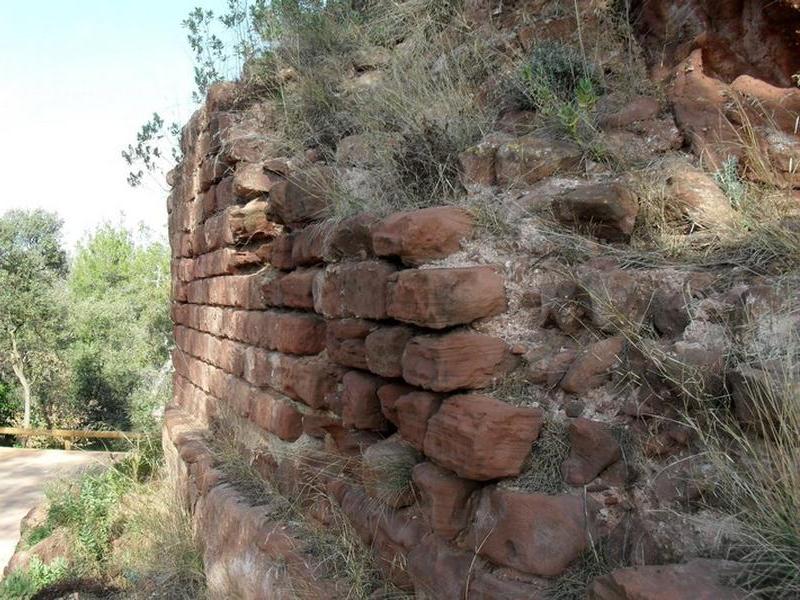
[219,124]
[180,291]
[294,333]
[276,414]
[250,180]
[389,394]
[290,332]
[308,245]
[303,198]
[182,244]
[412,414]
[361,407]
[197,241]
[316,423]
[480,437]
[422,235]
[293,290]
[207,201]
[345,341]
[266,369]
[282,252]
[216,232]
[350,239]
[183,269]
[239,224]
[224,196]
[227,261]
[225,354]
[353,290]
[384,350]
[211,170]
[444,498]
[239,291]
[439,298]
[456,360]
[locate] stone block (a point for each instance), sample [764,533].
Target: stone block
[481,438]
[442,297]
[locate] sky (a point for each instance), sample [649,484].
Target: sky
[77,81]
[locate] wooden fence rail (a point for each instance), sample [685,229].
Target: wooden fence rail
[71,434]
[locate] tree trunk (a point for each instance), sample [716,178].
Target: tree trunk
[18,368]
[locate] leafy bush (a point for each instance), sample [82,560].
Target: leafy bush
[130,530]
[155,144]
[24,584]
[89,507]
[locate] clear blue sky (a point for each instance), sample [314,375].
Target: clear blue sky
[77,79]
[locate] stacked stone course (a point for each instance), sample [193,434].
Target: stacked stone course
[354,339]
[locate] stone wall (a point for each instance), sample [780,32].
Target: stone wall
[373,341]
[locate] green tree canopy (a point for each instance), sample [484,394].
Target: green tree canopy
[119,297]
[32,263]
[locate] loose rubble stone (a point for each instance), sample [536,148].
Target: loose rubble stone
[533,533]
[549,357]
[700,579]
[607,209]
[532,157]
[640,108]
[592,367]
[616,299]
[697,195]
[478,169]
[592,449]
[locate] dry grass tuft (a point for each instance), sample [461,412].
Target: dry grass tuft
[542,471]
[333,550]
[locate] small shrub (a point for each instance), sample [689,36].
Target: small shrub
[729,180]
[557,82]
[24,584]
[89,506]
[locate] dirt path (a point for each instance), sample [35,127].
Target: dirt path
[24,474]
